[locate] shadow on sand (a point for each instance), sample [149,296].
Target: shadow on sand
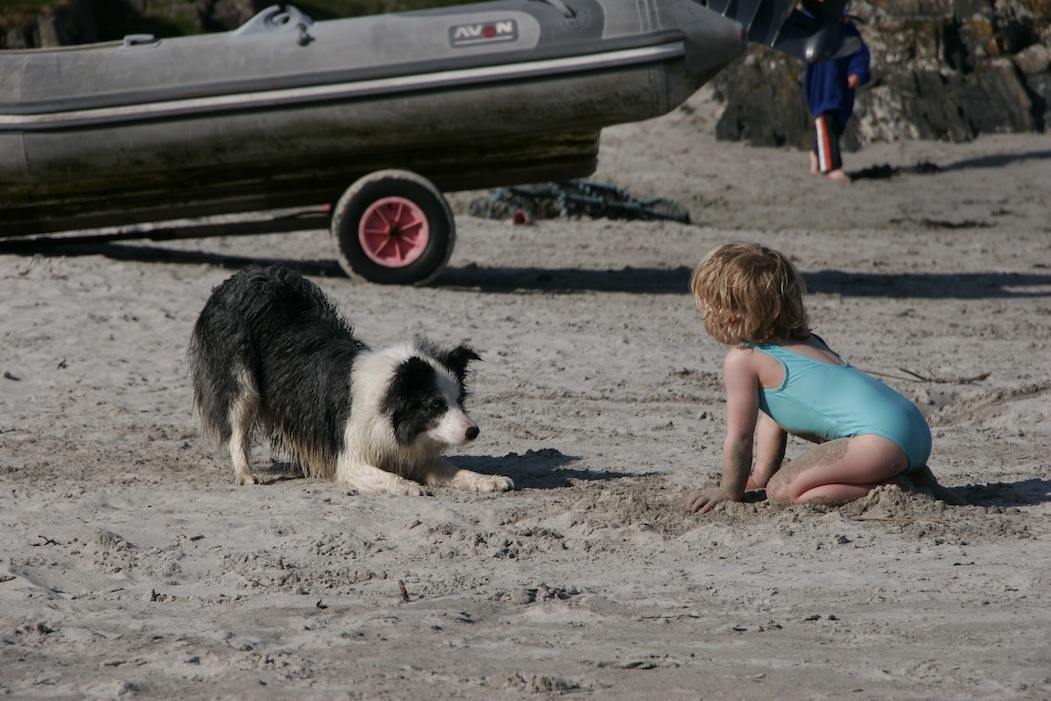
[1029,492]
[535,469]
[885,170]
[674,281]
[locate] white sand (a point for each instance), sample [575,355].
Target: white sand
[131,566]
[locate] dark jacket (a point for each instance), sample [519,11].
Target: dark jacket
[825,83]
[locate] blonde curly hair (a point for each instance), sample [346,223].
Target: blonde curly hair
[750,293]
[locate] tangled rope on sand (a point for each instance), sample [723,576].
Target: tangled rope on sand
[575,198]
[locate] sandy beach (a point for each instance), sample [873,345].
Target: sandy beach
[132,567]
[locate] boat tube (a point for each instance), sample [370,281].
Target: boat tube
[372,116]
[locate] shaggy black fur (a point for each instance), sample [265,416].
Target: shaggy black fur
[271,340]
[281,330]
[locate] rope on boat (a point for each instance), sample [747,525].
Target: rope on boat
[575,198]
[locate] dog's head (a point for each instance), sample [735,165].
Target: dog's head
[426,394]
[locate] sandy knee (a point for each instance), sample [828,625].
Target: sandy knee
[777,491]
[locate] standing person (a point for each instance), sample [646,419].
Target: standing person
[781,378]
[829,88]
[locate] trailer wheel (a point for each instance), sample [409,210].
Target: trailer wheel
[393,227]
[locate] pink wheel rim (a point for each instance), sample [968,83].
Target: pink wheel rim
[394,232]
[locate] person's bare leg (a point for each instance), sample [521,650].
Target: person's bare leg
[815,169]
[838,471]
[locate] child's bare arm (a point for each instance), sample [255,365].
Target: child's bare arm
[770,450]
[742,409]
[742,413]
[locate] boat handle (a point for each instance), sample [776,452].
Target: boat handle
[133,40]
[561,7]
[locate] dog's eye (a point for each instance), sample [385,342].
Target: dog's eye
[437,404]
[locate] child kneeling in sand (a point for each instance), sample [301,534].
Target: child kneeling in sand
[781,378]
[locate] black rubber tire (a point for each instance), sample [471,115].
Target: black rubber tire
[348,212]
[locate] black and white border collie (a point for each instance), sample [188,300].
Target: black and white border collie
[269,351]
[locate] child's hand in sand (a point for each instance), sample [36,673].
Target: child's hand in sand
[705,500]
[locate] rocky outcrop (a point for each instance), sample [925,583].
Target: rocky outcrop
[942,69]
[65,23]
[83,21]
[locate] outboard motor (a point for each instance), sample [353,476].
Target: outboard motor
[812,33]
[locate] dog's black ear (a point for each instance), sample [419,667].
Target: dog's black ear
[410,378]
[458,358]
[410,386]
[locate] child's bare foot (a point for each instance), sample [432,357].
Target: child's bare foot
[903,483]
[814,168]
[923,481]
[839,176]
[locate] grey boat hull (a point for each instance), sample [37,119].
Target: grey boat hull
[288,112]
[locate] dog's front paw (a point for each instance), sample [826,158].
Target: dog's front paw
[244,478]
[409,489]
[387,484]
[489,483]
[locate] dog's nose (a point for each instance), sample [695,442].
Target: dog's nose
[472,433]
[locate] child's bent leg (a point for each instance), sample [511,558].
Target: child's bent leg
[838,471]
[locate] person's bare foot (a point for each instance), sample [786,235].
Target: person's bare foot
[839,176]
[924,481]
[814,168]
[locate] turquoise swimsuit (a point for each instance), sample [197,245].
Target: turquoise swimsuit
[821,402]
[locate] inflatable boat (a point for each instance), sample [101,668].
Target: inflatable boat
[370,119]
